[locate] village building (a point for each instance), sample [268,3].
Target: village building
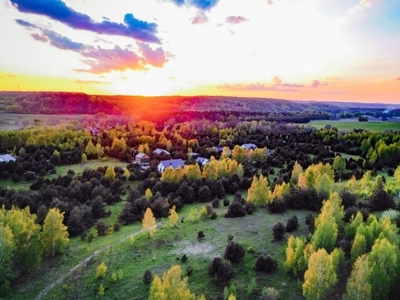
[174,163]
[202,161]
[5,158]
[160,151]
[143,160]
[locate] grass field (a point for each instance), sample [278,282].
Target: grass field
[162,251]
[350,124]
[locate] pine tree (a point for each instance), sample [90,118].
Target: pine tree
[149,222]
[55,234]
[320,276]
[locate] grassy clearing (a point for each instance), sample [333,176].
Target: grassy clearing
[162,251]
[350,124]
[90,164]
[166,249]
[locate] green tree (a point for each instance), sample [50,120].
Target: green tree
[383,262]
[149,222]
[359,247]
[6,257]
[91,150]
[295,259]
[171,287]
[339,164]
[358,286]
[320,276]
[55,234]
[27,237]
[110,174]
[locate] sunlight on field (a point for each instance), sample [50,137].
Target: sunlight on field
[349,125]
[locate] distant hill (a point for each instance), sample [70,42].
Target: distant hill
[80,103]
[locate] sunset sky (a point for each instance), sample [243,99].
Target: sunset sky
[338,50]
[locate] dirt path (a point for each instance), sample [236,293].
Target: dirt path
[83,263]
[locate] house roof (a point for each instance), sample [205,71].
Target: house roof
[142,155]
[174,163]
[160,151]
[7,158]
[202,160]
[249,146]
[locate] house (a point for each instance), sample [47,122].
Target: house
[202,161]
[249,146]
[159,151]
[7,158]
[174,163]
[143,160]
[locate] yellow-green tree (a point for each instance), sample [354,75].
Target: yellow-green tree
[148,194]
[192,172]
[55,234]
[171,286]
[210,170]
[91,150]
[168,174]
[27,237]
[239,154]
[6,256]
[173,217]
[339,164]
[259,193]
[149,222]
[358,286]
[296,262]
[359,247]
[320,276]
[297,170]
[110,174]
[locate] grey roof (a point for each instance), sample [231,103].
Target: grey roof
[142,155]
[202,160]
[249,146]
[7,158]
[174,163]
[160,151]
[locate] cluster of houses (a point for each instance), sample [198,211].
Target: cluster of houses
[143,159]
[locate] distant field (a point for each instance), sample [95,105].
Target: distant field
[18,121]
[350,124]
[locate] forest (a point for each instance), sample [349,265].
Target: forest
[280,209]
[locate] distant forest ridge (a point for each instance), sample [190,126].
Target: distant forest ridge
[80,103]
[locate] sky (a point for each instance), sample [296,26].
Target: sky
[331,50]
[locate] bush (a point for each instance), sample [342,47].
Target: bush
[221,270]
[278,231]
[147,277]
[269,293]
[292,224]
[189,271]
[184,258]
[226,202]
[234,252]
[266,264]
[215,203]
[101,271]
[235,210]
[381,200]
[277,206]
[310,218]
[200,235]
[102,227]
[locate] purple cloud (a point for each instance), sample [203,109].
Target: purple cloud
[317,84]
[235,19]
[398,78]
[155,57]
[200,18]
[102,60]
[58,10]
